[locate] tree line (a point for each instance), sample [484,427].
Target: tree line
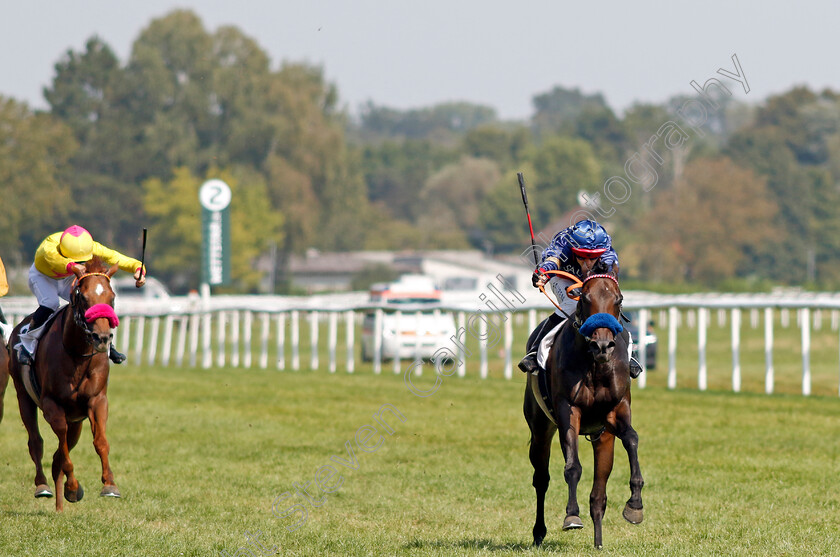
[126,144]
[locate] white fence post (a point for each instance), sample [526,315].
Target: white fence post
[806,351]
[281,341]
[482,344]
[508,344]
[462,353]
[768,350]
[332,339]
[313,340]
[167,340]
[234,339]
[397,340]
[138,345]
[295,339]
[181,349]
[247,333]
[153,343]
[125,337]
[206,344]
[736,347]
[377,341]
[641,343]
[265,325]
[418,337]
[220,337]
[195,323]
[702,379]
[351,333]
[672,347]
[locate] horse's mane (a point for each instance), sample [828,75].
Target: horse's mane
[600,268]
[96,265]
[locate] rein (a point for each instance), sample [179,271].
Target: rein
[577,284]
[79,317]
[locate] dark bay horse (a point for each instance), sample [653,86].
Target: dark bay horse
[588,382]
[71,371]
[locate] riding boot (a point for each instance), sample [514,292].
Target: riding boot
[635,368]
[529,363]
[30,334]
[116,357]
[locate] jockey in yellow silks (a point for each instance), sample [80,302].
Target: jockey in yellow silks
[51,279]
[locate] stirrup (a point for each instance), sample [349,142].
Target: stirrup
[635,368]
[116,357]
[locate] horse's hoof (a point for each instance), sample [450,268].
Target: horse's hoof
[74,496]
[572,522]
[43,491]
[633,516]
[538,541]
[110,491]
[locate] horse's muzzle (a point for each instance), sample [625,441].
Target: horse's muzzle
[101,342]
[601,349]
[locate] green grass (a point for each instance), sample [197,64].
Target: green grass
[200,455]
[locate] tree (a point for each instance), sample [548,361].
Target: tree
[562,167]
[703,229]
[505,146]
[175,216]
[556,110]
[34,153]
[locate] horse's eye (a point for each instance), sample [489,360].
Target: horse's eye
[585,298]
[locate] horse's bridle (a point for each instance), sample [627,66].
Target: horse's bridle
[78,312]
[576,322]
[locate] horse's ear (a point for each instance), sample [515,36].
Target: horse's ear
[77,272]
[112,270]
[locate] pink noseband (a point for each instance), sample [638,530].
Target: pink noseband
[102,310]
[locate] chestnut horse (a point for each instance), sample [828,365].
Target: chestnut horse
[4,370]
[588,384]
[71,370]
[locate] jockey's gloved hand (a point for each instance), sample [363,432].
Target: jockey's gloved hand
[538,275]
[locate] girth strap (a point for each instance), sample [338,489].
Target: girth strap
[542,393]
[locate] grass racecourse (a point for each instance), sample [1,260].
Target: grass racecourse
[202,455]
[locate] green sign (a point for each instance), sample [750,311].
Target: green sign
[215,196]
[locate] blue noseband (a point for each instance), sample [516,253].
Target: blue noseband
[598,321]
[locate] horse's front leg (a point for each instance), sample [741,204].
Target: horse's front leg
[98,415]
[62,466]
[603,448]
[633,512]
[569,417]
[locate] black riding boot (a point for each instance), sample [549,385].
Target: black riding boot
[635,366]
[529,362]
[116,357]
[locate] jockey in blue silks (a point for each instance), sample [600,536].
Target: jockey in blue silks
[574,250]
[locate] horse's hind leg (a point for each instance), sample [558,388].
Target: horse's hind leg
[98,415]
[29,416]
[542,432]
[603,448]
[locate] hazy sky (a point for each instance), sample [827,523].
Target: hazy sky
[408,54]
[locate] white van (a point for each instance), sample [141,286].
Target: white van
[419,331]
